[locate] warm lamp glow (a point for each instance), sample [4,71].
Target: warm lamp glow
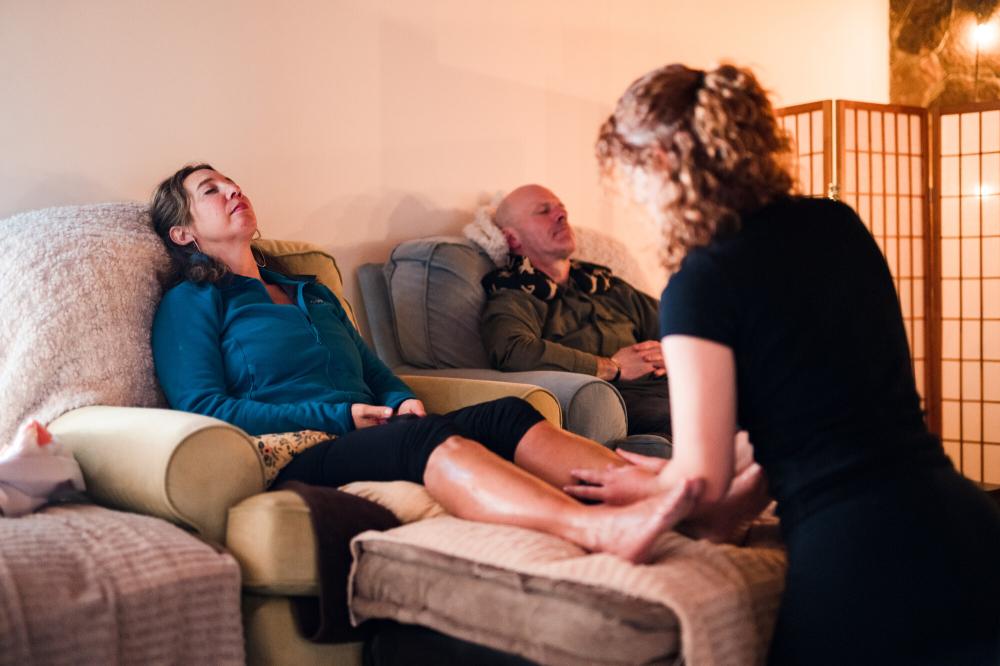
[984,35]
[984,190]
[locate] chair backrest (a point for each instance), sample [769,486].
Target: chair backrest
[434,299]
[375,294]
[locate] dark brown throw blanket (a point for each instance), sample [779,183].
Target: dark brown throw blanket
[337,517]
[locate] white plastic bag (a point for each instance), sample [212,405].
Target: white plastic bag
[34,470]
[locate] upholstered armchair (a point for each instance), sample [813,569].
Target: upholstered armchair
[207,477]
[423,308]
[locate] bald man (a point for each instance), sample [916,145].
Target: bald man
[545,311]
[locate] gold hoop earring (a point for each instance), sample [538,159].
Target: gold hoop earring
[262,262]
[196,246]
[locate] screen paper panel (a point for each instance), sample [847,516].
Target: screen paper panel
[881,169]
[809,128]
[967,141]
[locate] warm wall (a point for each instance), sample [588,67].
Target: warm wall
[358,124]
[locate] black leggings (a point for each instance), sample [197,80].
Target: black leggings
[399,450]
[902,571]
[647,404]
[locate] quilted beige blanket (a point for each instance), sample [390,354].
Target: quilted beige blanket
[543,598]
[86,585]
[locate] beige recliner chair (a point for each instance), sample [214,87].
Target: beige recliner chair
[206,476]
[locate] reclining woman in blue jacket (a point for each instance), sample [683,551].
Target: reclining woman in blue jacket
[274,353]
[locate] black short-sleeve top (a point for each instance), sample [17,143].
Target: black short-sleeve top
[804,298]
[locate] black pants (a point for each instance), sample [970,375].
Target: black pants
[647,403]
[905,570]
[398,450]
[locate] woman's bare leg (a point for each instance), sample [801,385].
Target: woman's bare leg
[550,453]
[472,482]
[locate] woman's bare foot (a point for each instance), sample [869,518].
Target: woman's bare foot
[730,519]
[629,531]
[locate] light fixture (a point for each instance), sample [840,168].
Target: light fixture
[984,34]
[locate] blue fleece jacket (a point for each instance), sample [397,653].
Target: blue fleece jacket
[227,350]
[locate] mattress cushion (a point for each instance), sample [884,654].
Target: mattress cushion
[549,601]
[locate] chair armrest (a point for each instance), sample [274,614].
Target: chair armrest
[445,394]
[591,407]
[375,294]
[185,468]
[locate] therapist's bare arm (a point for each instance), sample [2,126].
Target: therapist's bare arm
[703,412]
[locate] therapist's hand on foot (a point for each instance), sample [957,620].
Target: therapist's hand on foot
[616,484]
[652,463]
[369,415]
[411,406]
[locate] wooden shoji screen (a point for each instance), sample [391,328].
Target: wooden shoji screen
[882,173]
[967,148]
[810,128]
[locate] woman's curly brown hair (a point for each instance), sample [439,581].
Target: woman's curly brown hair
[699,149]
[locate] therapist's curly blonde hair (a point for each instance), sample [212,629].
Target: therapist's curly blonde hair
[698,149]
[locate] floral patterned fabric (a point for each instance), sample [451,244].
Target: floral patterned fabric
[277,450]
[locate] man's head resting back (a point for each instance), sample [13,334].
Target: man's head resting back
[536,226]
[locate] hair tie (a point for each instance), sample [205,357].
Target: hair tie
[697,84]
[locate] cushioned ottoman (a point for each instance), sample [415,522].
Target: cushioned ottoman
[549,601]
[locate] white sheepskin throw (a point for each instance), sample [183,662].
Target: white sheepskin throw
[600,248]
[80,287]
[484,232]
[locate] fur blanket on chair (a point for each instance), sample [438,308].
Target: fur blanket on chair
[81,285]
